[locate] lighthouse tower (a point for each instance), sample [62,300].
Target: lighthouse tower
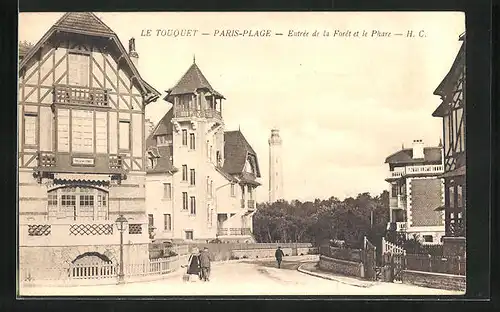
[275,167]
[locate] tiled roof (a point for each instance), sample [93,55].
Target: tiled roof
[164,126]
[405,156]
[163,163]
[236,148]
[83,21]
[192,80]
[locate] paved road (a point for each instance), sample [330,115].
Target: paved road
[240,278]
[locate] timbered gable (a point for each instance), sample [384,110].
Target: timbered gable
[78,92]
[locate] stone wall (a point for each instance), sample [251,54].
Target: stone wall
[47,262]
[343,267]
[434,280]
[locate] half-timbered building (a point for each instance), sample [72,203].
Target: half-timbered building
[201,180]
[452,111]
[81,161]
[415,191]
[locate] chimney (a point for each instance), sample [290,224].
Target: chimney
[132,53]
[418,149]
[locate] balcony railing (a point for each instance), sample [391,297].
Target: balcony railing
[207,113]
[233,231]
[46,159]
[413,170]
[397,226]
[64,94]
[251,204]
[115,161]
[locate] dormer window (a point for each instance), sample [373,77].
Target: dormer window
[249,167]
[161,140]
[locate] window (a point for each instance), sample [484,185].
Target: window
[242,192]
[184,201]
[427,238]
[78,203]
[150,220]
[184,173]
[250,192]
[82,131]
[124,135]
[233,190]
[63,130]
[167,222]
[30,122]
[101,129]
[167,191]
[161,140]
[184,137]
[210,153]
[189,235]
[218,158]
[192,143]
[394,190]
[79,72]
[193,177]
[193,205]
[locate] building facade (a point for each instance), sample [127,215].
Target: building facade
[201,179]
[275,167]
[415,191]
[452,111]
[81,150]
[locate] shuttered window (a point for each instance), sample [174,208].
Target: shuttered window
[30,121]
[82,131]
[125,135]
[79,69]
[101,128]
[63,130]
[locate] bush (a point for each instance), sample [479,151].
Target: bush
[216,241]
[301,254]
[286,255]
[245,257]
[234,257]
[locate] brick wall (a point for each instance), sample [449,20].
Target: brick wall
[434,280]
[341,266]
[426,195]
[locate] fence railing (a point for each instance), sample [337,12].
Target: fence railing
[435,264]
[388,247]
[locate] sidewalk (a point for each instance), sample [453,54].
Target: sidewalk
[311,269]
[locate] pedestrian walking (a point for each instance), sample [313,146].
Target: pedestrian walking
[193,268]
[279,256]
[205,264]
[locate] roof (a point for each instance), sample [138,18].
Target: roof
[164,163]
[191,81]
[87,23]
[236,149]
[163,127]
[453,73]
[405,156]
[83,21]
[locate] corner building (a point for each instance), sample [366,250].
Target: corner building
[201,179]
[81,150]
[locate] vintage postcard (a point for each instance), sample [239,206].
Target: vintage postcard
[249,153]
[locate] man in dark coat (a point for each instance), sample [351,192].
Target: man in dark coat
[205,264]
[194,264]
[279,256]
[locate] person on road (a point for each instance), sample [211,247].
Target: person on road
[205,264]
[279,256]
[194,264]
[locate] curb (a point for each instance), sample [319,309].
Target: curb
[323,276]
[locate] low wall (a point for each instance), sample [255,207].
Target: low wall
[434,280]
[343,267]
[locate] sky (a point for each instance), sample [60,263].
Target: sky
[342,104]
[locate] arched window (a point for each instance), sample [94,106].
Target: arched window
[78,203]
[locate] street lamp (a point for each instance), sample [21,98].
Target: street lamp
[121,225]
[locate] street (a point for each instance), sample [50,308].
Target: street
[259,277]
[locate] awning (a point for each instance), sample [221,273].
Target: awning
[82,178]
[454,173]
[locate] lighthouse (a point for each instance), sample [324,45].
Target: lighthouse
[275,167]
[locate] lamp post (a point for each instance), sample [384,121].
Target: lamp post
[121,223]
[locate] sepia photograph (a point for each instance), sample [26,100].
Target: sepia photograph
[241,154]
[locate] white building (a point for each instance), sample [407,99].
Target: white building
[275,167]
[201,179]
[415,191]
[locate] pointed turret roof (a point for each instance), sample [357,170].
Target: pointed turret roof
[191,81]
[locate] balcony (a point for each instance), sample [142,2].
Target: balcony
[233,231]
[415,170]
[46,159]
[207,113]
[51,161]
[397,226]
[78,95]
